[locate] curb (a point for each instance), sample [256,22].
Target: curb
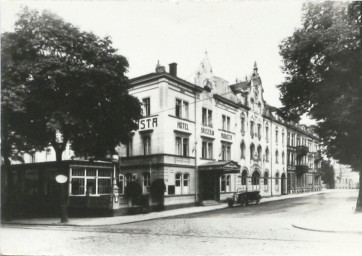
[328,231]
[267,200]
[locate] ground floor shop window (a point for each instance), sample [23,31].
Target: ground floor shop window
[182,183]
[90,181]
[225,181]
[146,182]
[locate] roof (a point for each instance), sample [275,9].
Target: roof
[223,166]
[155,76]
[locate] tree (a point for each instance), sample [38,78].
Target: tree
[323,68]
[56,80]
[328,174]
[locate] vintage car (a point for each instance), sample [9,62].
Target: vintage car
[243,198]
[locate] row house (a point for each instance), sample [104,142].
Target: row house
[206,139]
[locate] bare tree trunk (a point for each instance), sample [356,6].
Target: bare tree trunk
[359,199]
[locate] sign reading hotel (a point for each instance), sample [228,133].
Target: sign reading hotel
[147,123]
[207,131]
[226,136]
[182,126]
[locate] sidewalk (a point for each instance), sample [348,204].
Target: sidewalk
[100,221]
[341,219]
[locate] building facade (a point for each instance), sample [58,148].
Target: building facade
[209,138]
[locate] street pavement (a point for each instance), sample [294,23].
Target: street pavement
[265,229]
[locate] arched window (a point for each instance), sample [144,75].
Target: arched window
[252,151]
[267,155]
[283,158]
[242,150]
[259,131]
[276,157]
[283,137]
[242,122]
[259,153]
[276,135]
[252,128]
[252,103]
[255,178]
[267,131]
[266,177]
[259,107]
[244,175]
[277,179]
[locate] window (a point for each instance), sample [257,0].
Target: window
[242,150]
[267,155]
[283,158]
[206,149]
[276,135]
[186,182]
[182,182]
[252,129]
[266,176]
[225,123]
[259,153]
[146,107]
[206,117]
[276,157]
[225,151]
[243,177]
[242,122]
[252,103]
[182,109]
[252,151]
[130,147]
[121,184]
[277,179]
[146,177]
[182,146]
[283,137]
[225,183]
[146,145]
[255,180]
[288,139]
[259,131]
[130,177]
[90,181]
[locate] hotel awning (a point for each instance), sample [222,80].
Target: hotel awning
[220,166]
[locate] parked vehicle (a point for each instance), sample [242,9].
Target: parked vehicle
[243,198]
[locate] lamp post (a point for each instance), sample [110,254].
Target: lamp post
[62,180]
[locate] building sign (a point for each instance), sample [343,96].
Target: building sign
[207,131]
[147,123]
[182,126]
[226,136]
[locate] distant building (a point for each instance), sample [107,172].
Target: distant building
[345,178]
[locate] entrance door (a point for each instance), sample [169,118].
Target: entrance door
[208,186]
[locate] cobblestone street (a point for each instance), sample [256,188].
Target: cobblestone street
[264,229]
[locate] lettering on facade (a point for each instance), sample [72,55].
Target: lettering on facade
[182,126]
[226,136]
[207,131]
[147,123]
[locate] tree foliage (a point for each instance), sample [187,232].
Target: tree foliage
[323,68]
[328,175]
[58,78]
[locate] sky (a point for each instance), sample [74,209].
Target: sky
[235,34]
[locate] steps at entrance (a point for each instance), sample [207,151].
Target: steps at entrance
[209,202]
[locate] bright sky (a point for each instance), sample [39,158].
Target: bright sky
[235,34]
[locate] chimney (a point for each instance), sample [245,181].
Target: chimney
[173,69]
[159,68]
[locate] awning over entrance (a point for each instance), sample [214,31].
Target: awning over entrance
[221,166]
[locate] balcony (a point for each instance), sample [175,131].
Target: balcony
[317,156]
[302,150]
[300,169]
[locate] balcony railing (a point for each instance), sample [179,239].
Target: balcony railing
[317,156]
[302,150]
[301,168]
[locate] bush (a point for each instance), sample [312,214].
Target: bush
[133,191]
